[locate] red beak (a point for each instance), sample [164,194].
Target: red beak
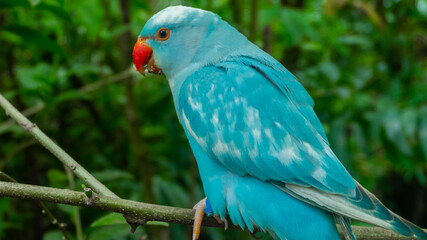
[142,58]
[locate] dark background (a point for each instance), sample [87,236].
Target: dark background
[68,65]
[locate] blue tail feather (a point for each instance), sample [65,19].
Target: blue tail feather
[363,206]
[345,224]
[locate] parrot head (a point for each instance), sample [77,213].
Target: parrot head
[179,38]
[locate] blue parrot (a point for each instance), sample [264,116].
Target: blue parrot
[262,153]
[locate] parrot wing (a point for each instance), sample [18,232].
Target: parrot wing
[256,119]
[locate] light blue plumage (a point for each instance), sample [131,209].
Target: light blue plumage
[262,153]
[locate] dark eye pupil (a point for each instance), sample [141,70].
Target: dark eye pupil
[163,34]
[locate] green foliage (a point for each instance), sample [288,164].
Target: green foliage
[363,62]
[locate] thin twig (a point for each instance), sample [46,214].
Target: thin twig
[97,85]
[76,210]
[54,220]
[45,210]
[6,178]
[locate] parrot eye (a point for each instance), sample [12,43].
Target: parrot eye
[163,34]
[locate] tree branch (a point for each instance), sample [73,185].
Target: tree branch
[148,212]
[139,210]
[66,159]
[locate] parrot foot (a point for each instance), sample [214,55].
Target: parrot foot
[200,208]
[221,221]
[198,217]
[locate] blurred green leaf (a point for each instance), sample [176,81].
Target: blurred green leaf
[112,175]
[423,131]
[14,3]
[35,77]
[72,95]
[169,192]
[30,36]
[56,10]
[394,132]
[157,223]
[355,40]
[117,218]
[330,70]
[109,219]
[297,26]
[57,178]
[53,235]
[109,232]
